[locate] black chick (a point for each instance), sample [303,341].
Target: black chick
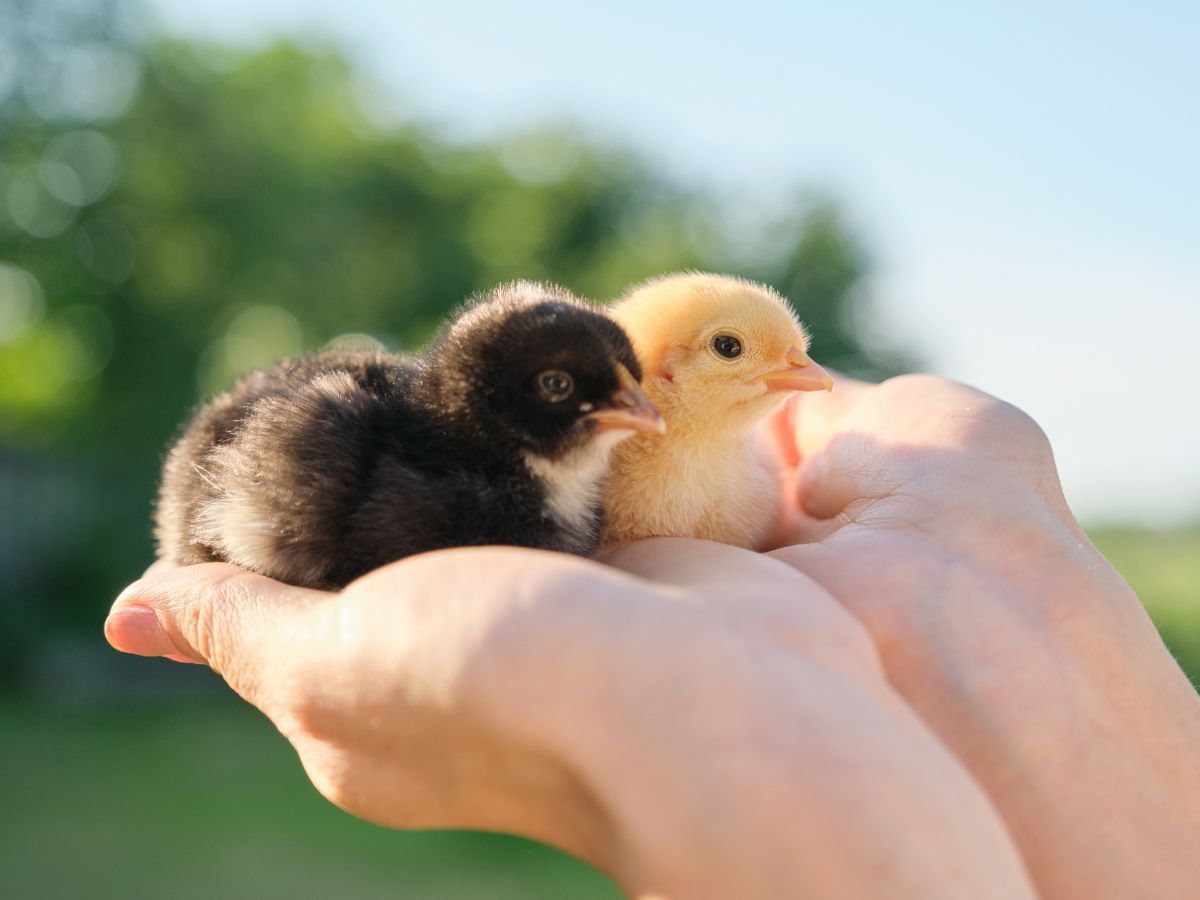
[318,470]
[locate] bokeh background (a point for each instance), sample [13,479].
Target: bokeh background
[1007,195]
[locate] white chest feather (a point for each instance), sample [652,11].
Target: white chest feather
[574,481]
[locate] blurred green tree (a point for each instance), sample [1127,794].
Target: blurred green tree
[173,214]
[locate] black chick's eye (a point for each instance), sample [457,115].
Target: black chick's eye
[727,346]
[555,385]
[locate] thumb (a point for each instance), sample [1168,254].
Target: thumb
[214,613]
[849,469]
[809,420]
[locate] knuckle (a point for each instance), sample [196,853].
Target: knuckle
[993,418]
[924,389]
[213,620]
[196,622]
[919,383]
[1020,441]
[988,426]
[1020,425]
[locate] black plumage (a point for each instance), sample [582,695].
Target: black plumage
[318,470]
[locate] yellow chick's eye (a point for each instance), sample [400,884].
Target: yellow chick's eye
[555,385]
[727,345]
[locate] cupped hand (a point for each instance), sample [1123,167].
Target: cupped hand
[935,514]
[708,723]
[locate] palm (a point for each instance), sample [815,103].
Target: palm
[915,503]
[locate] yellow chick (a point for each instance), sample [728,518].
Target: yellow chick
[719,354]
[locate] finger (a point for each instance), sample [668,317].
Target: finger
[159,565]
[136,629]
[847,470]
[815,415]
[788,515]
[896,433]
[798,527]
[750,593]
[807,420]
[701,567]
[779,432]
[213,613]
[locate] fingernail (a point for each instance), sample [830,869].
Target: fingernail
[137,630]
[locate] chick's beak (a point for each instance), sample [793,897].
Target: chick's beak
[630,410]
[801,375]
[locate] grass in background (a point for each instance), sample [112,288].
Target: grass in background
[1164,568]
[204,799]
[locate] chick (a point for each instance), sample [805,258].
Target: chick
[318,470]
[719,355]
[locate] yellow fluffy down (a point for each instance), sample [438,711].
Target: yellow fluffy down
[708,476]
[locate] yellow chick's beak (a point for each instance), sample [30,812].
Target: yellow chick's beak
[630,410]
[802,375]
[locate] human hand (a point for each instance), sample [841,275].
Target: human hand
[935,514]
[714,725]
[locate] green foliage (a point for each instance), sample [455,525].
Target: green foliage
[185,213]
[1163,567]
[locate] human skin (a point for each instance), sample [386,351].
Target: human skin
[714,725]
[934,513]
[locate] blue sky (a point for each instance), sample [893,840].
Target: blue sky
[1026,175]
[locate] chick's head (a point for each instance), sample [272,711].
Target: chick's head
[532,365]
[718,351]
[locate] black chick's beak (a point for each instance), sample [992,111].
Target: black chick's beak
[629,409]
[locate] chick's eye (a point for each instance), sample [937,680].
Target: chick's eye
[727,346]
[555,385]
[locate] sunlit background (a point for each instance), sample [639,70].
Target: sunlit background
[1004,193]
